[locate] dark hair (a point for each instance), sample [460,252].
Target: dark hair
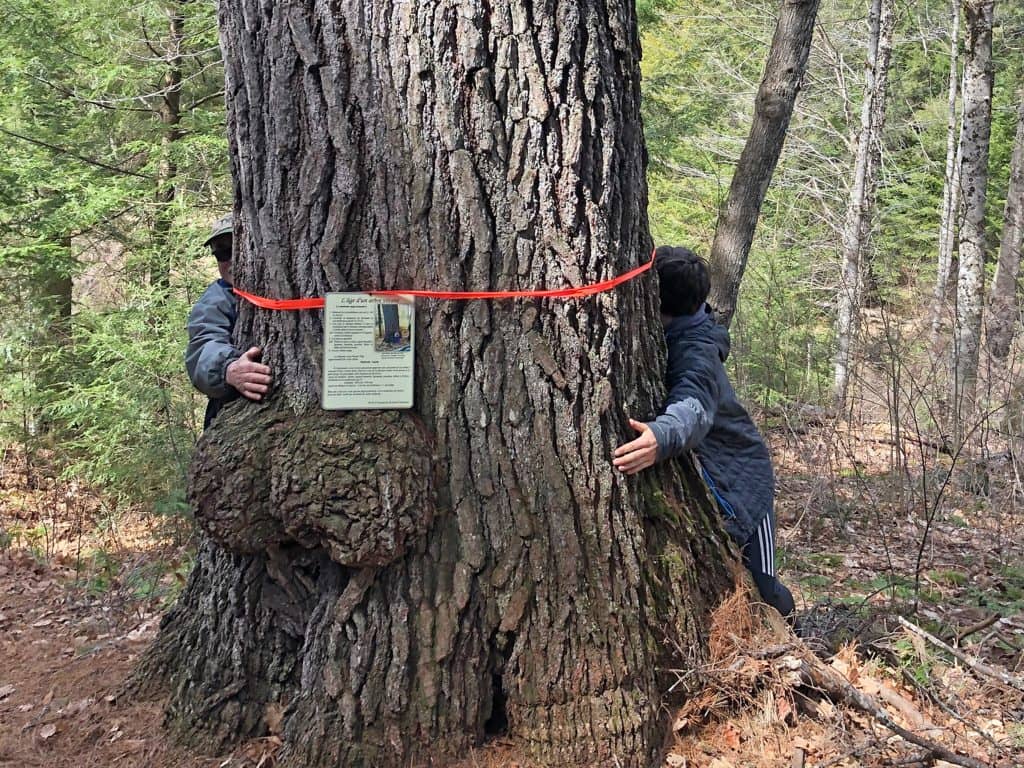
[684,279]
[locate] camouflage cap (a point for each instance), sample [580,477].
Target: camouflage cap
[222,226]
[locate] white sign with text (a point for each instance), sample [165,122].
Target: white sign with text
[369,351]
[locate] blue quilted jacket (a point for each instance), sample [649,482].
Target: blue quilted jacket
[209,351]
[702,414]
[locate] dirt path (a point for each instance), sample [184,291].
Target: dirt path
[64,655]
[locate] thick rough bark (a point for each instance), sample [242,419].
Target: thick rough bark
[358,484]
[515,576]
[773,108]
[1003,314]
[977,127]
[230,652]
[951,184]
[861,207]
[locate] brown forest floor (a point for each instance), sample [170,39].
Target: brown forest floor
[82,588]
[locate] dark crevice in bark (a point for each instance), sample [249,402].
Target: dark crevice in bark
[501,645]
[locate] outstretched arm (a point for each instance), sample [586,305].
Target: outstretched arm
[638,454]
[210,350]
[689,413]
[215,366]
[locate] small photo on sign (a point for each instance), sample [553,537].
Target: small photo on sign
[393,330]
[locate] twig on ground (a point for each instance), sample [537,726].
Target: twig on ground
[855,752]
[940,446]
[934,699]
[814,673]
[774,651]
[969,630]
[976,665]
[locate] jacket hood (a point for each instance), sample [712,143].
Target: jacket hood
[702,325]
[720,335]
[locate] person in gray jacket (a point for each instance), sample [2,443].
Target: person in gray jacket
[215,366]
[702,414]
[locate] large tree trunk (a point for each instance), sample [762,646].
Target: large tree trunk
[1003,311]
[783,75]
[950,186]
[856,272]
[974,179]
[398,582]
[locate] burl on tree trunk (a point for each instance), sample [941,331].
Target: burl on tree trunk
[388,587]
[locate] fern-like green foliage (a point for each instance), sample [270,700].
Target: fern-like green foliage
[93,376]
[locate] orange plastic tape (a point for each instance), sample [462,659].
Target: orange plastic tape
[557,293]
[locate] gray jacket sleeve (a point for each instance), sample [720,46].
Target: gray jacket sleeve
[209,342]
[689,409]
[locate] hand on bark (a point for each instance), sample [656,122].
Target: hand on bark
[638,454]
[248,375]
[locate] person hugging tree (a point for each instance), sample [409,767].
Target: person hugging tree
[215,366]
[703,415]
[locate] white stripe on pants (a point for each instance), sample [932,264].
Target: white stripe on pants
[766,545]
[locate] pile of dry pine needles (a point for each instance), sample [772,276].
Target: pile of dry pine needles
[770,700]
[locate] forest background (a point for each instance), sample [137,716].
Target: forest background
[113,163]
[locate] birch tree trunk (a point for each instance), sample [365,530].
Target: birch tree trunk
[977,126]
[773,108]
[951,184]
[860,209]
[1003,314]
[390,586]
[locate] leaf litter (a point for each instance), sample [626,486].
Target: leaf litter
[69,646]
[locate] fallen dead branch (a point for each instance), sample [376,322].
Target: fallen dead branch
[975,664]
[969,630]
[755,658]
[816,674]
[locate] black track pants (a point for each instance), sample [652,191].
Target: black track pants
[759,557]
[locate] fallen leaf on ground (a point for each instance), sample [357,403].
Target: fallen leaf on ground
[78,706]
[47,731]
[731,736]
[6,691]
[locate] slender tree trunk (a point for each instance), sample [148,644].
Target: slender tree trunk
[170,116]
[860,210]
[1003,310]
[951,185]
[783,74]
[395,584]
[977,127]
[54,294]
